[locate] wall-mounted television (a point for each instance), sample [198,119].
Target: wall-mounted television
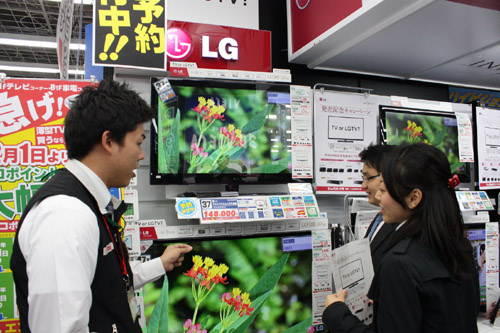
[439,129]
[216,131]
[288,306]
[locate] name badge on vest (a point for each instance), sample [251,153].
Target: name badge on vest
[107,249]
[134,309]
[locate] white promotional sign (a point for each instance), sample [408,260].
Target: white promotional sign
[465,137]
[344,123]
[301,113]
[488,148]
[231,13]
[352,269]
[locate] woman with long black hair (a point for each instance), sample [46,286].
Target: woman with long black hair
[427,281]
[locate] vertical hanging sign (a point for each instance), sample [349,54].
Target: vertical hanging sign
[63,36]
[130,34]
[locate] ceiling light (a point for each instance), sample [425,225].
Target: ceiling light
[37,43]
[77,2]
[38,69]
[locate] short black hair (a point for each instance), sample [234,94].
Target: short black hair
[109,106]
[373,155]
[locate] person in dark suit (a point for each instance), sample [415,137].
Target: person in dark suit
[427,281]
[378,231]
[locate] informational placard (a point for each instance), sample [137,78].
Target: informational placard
[321,272]
[31,147]
[301,113]
[131,237]
[345,123]
[249,208]
[130,34]
[352,269]
[131,198]
[465,138]
[488,148]
[473,200]
[492,264]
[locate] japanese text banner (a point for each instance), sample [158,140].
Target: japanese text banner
[130,34]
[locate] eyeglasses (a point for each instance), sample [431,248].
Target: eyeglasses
[368,178]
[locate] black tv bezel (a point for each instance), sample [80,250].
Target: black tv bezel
[465,177]
[228,179]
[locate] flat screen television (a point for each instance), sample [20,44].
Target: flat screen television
[439,129]
[287,308]
[216,131]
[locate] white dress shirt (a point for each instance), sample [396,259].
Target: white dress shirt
[59,240]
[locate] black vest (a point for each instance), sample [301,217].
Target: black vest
[109,297]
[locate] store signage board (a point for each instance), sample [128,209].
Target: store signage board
[31,146]
[247,208]
[129,34]
[490,98]
[488,148]
[219,47]
[344,123]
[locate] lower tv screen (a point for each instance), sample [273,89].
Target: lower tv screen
[221,132]
[439,129]
[286,308]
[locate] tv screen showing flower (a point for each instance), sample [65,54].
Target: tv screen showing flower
[215,131]
[249,284]
[404,126]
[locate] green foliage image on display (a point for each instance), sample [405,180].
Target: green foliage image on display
[221,130]
[192,304]
[433,130]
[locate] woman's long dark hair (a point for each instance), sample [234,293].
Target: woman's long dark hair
[436,222]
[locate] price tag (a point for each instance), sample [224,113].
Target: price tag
[220,213]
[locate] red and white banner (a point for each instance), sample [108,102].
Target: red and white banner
[219,47]
[31,146]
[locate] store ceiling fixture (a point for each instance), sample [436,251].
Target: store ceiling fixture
[33,25]
[37,43]
[47,70]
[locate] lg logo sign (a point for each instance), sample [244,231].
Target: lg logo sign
[302,4]
[228,48]
[180,46]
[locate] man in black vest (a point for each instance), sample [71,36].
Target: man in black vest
[378,231]
[69,262]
